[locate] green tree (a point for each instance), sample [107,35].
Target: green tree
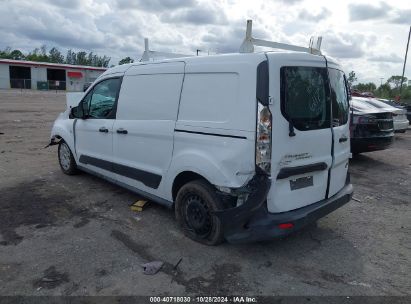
[17,55]
[384,91]
[125,61]
[365,87]
[82,58]
[5,54]
[55,56]
[38,54]
[351,78]
[71,57]
[396,81]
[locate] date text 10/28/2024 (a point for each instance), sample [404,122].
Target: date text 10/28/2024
[203,299]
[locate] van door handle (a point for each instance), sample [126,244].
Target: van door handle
[103,129]
[122,131]
[286,172]
[343,139]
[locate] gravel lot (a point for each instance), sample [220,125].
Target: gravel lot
[75,235]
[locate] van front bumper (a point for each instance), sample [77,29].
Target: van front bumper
[262,225]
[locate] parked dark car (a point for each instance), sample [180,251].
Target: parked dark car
[399,113]
[408,113]
[371,128]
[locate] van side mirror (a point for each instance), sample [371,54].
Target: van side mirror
[75,113]
[78,111]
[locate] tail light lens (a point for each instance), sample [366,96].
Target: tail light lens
[263,142]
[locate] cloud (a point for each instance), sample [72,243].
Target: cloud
[154,5]
[226,41]
[67,4]
[305,15]
[402,17]
[392,58]
[51,25]
[360,12]
[290,2]
[196,15]
[116,28]
[346,45]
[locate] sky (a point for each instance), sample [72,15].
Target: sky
[368,37]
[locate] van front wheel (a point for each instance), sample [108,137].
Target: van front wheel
[194,208]
[66,159]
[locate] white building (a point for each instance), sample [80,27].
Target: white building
[45,76]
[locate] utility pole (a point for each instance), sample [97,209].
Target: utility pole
[405,60]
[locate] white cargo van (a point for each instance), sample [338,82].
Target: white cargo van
[245,147]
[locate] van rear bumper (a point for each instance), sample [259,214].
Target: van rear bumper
[263,225]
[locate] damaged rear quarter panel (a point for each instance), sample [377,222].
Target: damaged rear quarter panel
[225,162]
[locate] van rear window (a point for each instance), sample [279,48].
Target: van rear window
[339,97]
[304,96]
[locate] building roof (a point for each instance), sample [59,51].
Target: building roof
[50,65]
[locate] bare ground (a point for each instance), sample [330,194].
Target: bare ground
[75,235]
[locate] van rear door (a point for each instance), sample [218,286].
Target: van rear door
[301,130]
[341,129]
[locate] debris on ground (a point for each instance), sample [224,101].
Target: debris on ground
[152,267]
[178,263]
[138,206]
[51,279]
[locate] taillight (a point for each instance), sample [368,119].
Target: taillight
[263,142]
[286,226]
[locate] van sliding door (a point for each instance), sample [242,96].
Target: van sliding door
[144,127]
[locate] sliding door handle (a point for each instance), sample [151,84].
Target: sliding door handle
[122,131]
[343,139]
[103,129]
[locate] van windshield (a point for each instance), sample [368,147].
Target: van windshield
[304,95]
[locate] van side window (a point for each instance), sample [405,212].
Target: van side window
[102,99]
[304,97]
[338,97]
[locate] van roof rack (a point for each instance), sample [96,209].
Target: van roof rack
[248,44]
[148,54]
[246,47]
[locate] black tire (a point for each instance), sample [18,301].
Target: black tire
[66,159]
[194,205]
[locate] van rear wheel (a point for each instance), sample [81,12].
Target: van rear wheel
[195,203]
[66,159]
